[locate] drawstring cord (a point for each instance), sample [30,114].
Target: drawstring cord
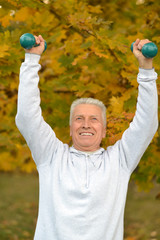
[87,172]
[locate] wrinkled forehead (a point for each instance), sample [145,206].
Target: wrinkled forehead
[87,109]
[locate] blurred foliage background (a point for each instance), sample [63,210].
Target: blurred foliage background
[88,55]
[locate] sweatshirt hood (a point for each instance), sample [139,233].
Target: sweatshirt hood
[92,160]
[97,152]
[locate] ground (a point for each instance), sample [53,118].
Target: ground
[19,209]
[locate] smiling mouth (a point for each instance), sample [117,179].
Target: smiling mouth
[86,134]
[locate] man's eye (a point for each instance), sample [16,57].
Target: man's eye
[94,119]
[78,118]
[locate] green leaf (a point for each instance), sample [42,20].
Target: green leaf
[86,45]
[66,60]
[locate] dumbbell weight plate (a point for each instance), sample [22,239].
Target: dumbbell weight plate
[28,41]
[149,50]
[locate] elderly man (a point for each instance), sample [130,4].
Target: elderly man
[83,188]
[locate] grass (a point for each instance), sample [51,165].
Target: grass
[142,215]
[19,209]
[18,204]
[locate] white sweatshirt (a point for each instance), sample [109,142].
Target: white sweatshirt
[82,196]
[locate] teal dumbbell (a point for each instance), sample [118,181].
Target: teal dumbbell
[149,50]
[27,41]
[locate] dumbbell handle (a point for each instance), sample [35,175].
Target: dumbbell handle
[149,50]
[27,41]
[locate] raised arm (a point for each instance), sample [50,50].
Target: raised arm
[37,133]
[138,136]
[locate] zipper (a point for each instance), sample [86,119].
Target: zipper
[87,170]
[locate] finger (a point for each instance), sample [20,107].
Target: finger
[41,38]
[42,41]
[37,39]
[142,42]
[139,46]
[137,41]
[135,45]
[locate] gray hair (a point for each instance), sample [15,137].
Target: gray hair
[88,101]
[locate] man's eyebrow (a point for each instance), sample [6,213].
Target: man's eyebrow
[78,115]
[81,115]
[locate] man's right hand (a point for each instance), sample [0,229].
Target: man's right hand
[39,49]
[145,63]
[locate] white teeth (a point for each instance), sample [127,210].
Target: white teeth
[86,134]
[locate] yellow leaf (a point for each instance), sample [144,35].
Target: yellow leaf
[5,21]
[116,104]
[95,9]
[130,238]
[4,50]
[7,162]
[79,58]
[14,3]
[114,138]
[101,55]
[73,43]
[98,52]
[44,18]
[23,14]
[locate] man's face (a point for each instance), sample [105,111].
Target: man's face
[87,128]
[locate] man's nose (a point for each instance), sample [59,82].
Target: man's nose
[86,123]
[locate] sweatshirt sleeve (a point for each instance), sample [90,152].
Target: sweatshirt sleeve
[38,134]
[142,129]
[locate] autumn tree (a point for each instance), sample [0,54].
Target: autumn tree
[88,55]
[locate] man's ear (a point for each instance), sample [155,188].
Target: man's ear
[104,132]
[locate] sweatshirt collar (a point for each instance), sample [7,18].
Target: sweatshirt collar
[74,150]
